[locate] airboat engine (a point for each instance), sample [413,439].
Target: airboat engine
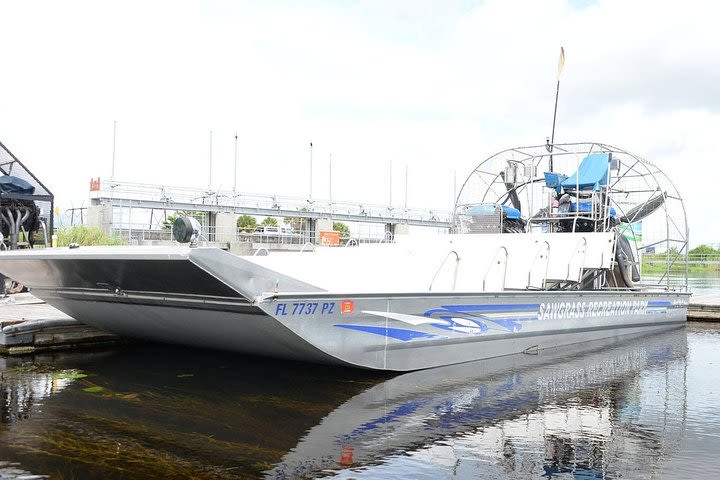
[490,218]
[17,214]
[581,189]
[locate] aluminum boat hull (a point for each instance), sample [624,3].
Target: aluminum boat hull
[201,301]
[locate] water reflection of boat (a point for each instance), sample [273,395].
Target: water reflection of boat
[164,413]
[536,260]
[23,386]
[579,409]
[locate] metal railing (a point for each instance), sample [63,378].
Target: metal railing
[139,233]
[497,260]
[150,196]
[455,271]
[693,259]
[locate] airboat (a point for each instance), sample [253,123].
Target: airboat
[546,251]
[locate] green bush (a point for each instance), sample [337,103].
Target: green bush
[246,223]
[85,236]
[342,228]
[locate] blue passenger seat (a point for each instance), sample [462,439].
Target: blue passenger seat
[591,174]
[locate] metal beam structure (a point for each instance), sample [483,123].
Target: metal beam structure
[161,197]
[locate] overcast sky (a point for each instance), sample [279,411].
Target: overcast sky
[436,85]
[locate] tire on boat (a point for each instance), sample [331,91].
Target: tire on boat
[625,262]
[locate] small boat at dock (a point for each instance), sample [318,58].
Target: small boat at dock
[545,252]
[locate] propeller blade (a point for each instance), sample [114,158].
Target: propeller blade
[511,193]
[641,211]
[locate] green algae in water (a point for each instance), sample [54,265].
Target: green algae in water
[95,389]
[128,396]
[30,368]
[70,374]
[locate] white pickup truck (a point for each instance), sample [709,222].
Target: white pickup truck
[276,234]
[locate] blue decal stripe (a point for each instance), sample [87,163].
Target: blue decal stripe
[491,318]
[511,319]
[396,333]
[659,304]
[492,308]
[401,411]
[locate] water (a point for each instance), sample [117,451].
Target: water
[700,284]
[640,408]
[644,408]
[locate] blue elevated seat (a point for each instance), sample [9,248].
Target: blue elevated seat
[591,174]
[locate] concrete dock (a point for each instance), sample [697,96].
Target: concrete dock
[704,308]
[29,325]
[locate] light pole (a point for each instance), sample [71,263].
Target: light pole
[390,201]
[210,169]
[235,175]
[330,180]
[112,173]
[406,186]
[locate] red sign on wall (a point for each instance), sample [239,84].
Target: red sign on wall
[95,184]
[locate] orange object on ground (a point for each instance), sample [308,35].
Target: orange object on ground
[330,238]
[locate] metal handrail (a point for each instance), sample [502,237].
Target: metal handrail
[168,196]
[45,233]
[582,241]
[547,262]
[387,236]
[307,244]
[493,263]
[457,264]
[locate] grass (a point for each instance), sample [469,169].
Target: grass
[656,264]
[87,236]
[679,268]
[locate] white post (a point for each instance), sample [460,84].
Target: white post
[311,149]
[210,169]
[406,186]
[330,180]
[390,201]
[235,175]
[112,172]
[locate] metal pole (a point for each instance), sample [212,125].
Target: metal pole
[406,186]
[390,202]
[561,65]
[552,137]
[235,175]
[210,170]
[112,172]
[130,222]
[311,149]
[330,180]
